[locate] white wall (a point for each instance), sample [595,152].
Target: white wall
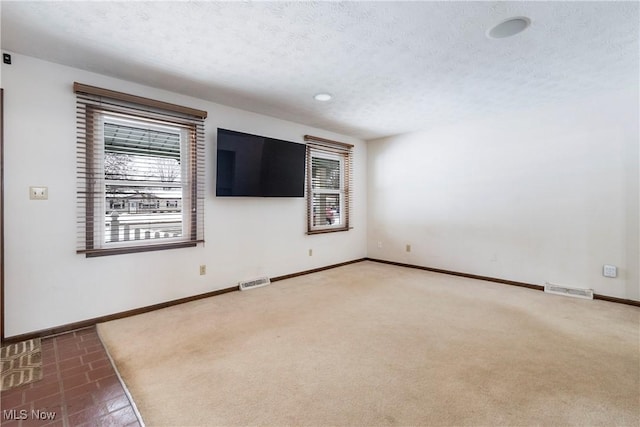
[47,284]
[549,194]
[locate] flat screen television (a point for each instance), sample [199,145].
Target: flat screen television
[256,166]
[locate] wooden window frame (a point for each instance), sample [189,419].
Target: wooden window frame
[94,102]
[321,147]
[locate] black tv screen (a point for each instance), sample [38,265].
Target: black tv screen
[257,166]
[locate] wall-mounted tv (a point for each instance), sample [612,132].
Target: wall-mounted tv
[257,166]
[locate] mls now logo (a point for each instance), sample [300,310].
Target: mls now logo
[14,414]
[23,414]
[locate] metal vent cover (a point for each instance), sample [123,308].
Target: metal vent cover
[255,283]
[568,291]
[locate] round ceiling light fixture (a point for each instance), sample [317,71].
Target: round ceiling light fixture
[324,97]
[509,27]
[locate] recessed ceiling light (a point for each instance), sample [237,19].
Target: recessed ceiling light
[322,97]
[510,27]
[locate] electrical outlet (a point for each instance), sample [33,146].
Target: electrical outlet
[203,270]
[408,248]
[379,244]
[310,252]
[38,193]
[610,271]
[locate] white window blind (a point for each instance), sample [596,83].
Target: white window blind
[329,185]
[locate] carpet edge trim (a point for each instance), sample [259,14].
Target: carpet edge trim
[122,383]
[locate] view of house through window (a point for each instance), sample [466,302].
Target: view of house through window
[143,180]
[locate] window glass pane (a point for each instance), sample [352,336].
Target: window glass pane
[326,209]
[134,213]
[121,138]
[325,173]
[143,190]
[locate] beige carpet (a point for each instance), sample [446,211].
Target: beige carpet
[373,344]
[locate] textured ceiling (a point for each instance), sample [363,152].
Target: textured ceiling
[392,67]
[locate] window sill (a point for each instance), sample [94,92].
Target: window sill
[328,230]
[92,253]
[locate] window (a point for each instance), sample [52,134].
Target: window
[140,173]
[329,166]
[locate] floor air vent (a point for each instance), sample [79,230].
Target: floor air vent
[252,284]
[567,291]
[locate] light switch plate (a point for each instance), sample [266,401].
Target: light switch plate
[38,193]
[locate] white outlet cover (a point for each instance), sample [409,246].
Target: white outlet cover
[38,193]
[610,271]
